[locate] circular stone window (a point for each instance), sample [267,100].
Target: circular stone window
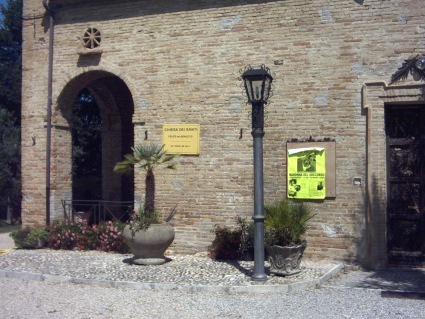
[91,38]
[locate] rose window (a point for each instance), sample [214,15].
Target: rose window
[91,38]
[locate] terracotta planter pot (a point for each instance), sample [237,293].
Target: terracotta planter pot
[285,260]
[149,245]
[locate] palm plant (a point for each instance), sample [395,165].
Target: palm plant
[146,157]
[286,222]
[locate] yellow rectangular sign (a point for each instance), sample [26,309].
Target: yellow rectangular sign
[307,173]
[181,138]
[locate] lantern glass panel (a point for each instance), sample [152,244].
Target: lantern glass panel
[257,90]
[248,88]
[267,89]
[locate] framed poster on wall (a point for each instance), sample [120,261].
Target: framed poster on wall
[310,170]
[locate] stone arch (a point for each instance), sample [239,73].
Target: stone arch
[90,72]
[115,101]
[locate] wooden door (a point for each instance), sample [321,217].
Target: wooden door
[405,131]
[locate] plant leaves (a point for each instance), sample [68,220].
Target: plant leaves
[404,70]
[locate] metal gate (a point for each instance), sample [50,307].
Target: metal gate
[405,131]
[96,211]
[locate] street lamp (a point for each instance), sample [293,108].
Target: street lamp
[257,84]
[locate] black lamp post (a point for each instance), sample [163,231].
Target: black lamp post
[257,84]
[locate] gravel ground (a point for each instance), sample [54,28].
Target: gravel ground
[34,299]
[48,284]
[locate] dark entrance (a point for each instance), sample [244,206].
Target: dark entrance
[405,131]
[86,148]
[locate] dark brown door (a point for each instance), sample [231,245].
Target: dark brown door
[405,130]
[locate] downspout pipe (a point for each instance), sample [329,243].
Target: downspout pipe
[50,12]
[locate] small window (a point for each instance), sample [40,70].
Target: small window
[91,38]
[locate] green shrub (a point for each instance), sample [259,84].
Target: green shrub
[29,238]
[246,249]
[285,224]
[226,244]
[234,242]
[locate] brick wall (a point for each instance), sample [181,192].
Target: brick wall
[181,62]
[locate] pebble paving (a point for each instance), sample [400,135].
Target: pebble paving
[181,270]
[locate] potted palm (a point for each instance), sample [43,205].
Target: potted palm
[147,237]
[286,223]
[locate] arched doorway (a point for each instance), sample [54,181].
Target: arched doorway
[111,110]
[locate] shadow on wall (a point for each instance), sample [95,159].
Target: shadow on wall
[370,227]
[69,12]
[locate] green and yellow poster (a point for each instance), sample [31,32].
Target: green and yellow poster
[306,173]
